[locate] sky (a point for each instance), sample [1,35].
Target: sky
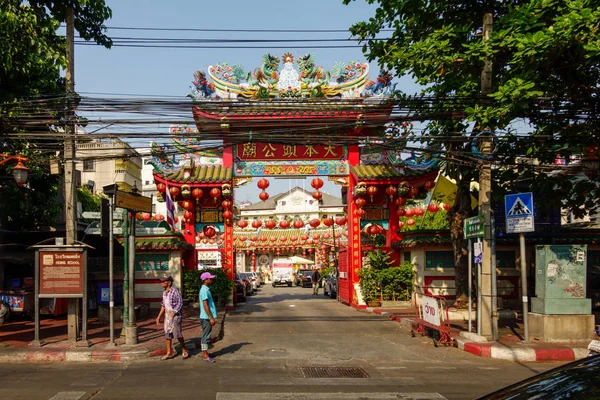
[130,72]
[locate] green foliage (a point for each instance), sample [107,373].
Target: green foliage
[379,260]
[89,201]
[387,282]
[31,57]
[221,288]
[429,221]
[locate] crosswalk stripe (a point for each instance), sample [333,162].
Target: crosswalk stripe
[68,396]
[329,396]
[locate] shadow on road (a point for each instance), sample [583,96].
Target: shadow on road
[230,349]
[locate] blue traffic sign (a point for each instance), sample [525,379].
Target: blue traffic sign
[519,212]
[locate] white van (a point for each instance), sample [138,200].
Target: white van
[282,272]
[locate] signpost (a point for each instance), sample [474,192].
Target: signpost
[519,219]
[474,229]
[132,201]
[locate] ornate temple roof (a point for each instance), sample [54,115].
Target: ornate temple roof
[287,233]
[386,172]
[201,174]
[160,242]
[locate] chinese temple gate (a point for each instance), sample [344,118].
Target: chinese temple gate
[290,123]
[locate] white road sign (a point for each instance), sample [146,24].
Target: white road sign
[519,213]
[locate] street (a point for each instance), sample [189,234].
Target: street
[271,347]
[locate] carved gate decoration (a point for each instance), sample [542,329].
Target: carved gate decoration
[305,122]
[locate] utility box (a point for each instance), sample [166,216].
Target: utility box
[560,280]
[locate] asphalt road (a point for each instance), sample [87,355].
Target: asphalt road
[272,345]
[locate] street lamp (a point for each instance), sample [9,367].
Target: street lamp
[20,171]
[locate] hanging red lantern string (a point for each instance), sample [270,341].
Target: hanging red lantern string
[317,195]
[270,224]
[215,193]
[257,223]
[188,215]
[253,238]
[187,205]
[317,183]
[227,215]
[242,223]
[227,204]
[316,236]
[359,213]
[284,224]
[263,184]
[161,187]
[315,222]
[159,217]
[174,191]
[328,221]
[400,201]
[341,221]
[298,223]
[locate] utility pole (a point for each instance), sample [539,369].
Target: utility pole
[485,307]
[69,155]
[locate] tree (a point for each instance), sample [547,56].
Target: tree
[31,56]
[544,98]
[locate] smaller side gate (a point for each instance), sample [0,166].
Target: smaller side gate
[432,312]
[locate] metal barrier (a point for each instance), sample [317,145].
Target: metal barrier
[432,312]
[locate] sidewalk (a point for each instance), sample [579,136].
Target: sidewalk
[509,345]
[17,334]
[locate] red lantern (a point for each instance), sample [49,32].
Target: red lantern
[317,195]
[257,223]
[433,207]
[253,238]
[161,187]
[346,233]
[372,191]
[284,224]
[227,204]
[270,224]
[187,205]
[146,217]
[401,212]
[317,183]
[273,239]
[446,207]
[215,193]
[263,238]
[410,222]
[413,191]
[283,239]
[429,185]
[188,215]
[419,211]
[326,236]
[159,217]
[197,193]
[174,191]
[391,191]
[341,221]
[315,222]
[372,230]
[263,184]
[227,214]
[242,223]
[176,219]
[360,202]
[401,201]
[294,238]
[316,236]
[304,236]
[359,213]
[400,224]
[328,221]
[409,212]
[298,223]
[264,196]
[209,231]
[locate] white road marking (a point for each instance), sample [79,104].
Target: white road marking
[384,368]
[292,305]
[488,368]
[440,367]
[329,396]
[67,396]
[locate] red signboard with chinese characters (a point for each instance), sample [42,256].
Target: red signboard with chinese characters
[61,273]
[279,152]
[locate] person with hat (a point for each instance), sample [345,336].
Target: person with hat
[171,308]
[208,313]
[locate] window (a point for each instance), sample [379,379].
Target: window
[147,183]
[439,259]
[88,165]
[407,256]
[506,259]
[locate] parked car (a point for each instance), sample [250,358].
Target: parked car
[258,278]
[240,289]
[331,284]
[247,284]
[304,278]
[577,380]
[251,278]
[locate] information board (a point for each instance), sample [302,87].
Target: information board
[61,273]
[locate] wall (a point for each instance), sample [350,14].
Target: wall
[147,283]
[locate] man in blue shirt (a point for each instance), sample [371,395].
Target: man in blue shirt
[208,313]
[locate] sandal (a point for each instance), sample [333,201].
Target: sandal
[168,357]
[185,355]
[209,360]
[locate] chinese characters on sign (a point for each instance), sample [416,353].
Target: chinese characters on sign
[61,273]
[267,151]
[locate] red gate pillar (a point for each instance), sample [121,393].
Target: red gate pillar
[228,259]
[393,234]
[354,250]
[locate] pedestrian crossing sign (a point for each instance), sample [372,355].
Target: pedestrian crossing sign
[519,212]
